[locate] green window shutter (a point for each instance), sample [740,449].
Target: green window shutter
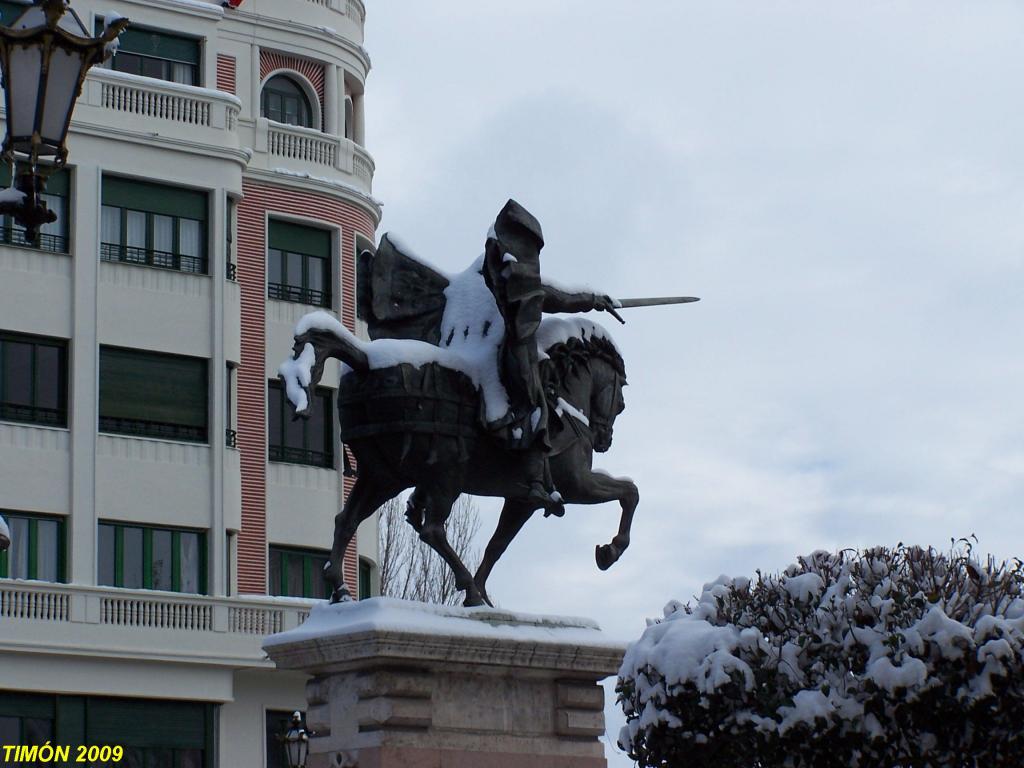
[159,45]
[168,724]
[296,238]
[26,705]
[70,720]
[154,198]
[152,387]
[58,184]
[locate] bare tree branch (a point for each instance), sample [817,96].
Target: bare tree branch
[409,569]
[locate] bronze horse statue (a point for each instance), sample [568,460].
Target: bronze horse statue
[417,425]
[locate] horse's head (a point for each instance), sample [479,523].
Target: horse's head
[591,375]
[606,400]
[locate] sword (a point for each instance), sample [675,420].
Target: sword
[649,302]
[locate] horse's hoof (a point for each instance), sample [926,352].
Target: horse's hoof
[472,601]
[605,556]
[341,595]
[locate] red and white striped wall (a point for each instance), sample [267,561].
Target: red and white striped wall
[262,200]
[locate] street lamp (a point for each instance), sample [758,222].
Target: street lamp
[296,742]
[45,55]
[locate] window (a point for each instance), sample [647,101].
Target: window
[53,237]
[284,101]
[26,719]
[153,225]
[154,734]
[298,573]
[33,380]
[365,572]
[229,250]
[36,551]
[153,395]
[299,264]
[300,441]
[278,723]
[230,433]
[138,557]
[156,54]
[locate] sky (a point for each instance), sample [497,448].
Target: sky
[843,186]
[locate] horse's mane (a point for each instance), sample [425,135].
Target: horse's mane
[567,356]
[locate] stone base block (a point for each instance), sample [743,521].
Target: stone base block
[397,684]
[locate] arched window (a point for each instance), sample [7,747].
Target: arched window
[285,101]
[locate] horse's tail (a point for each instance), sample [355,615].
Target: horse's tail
[318,336]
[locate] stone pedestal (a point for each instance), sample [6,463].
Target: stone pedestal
[398,684]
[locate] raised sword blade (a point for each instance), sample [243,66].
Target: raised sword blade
[656,302]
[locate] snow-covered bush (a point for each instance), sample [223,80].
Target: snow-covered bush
[883,658]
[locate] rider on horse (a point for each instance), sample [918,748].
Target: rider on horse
[401,297]
[511,269]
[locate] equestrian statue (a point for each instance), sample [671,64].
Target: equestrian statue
[465,387]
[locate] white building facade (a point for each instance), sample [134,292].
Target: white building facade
[166,512]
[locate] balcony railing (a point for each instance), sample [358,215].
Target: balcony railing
[47,242]
[35,601]
[156,429]
[309,153]
[153,99]
[296,143]
[31,414]
[148,257]
[300,456]
[298,294]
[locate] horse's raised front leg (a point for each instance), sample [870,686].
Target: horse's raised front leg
[514,515]
[367,495]
[582,485]
[437,509]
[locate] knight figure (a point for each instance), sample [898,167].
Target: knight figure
[492,310]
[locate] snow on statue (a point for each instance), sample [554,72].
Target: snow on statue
[465,388]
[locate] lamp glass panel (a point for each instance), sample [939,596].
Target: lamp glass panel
[61,90]
[23,92]
[35,16]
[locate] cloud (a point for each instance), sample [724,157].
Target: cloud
[842,184]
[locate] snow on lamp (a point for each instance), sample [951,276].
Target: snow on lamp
[296,742]
[45,55]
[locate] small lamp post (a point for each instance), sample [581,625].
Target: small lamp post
[296,742]
[45,55]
